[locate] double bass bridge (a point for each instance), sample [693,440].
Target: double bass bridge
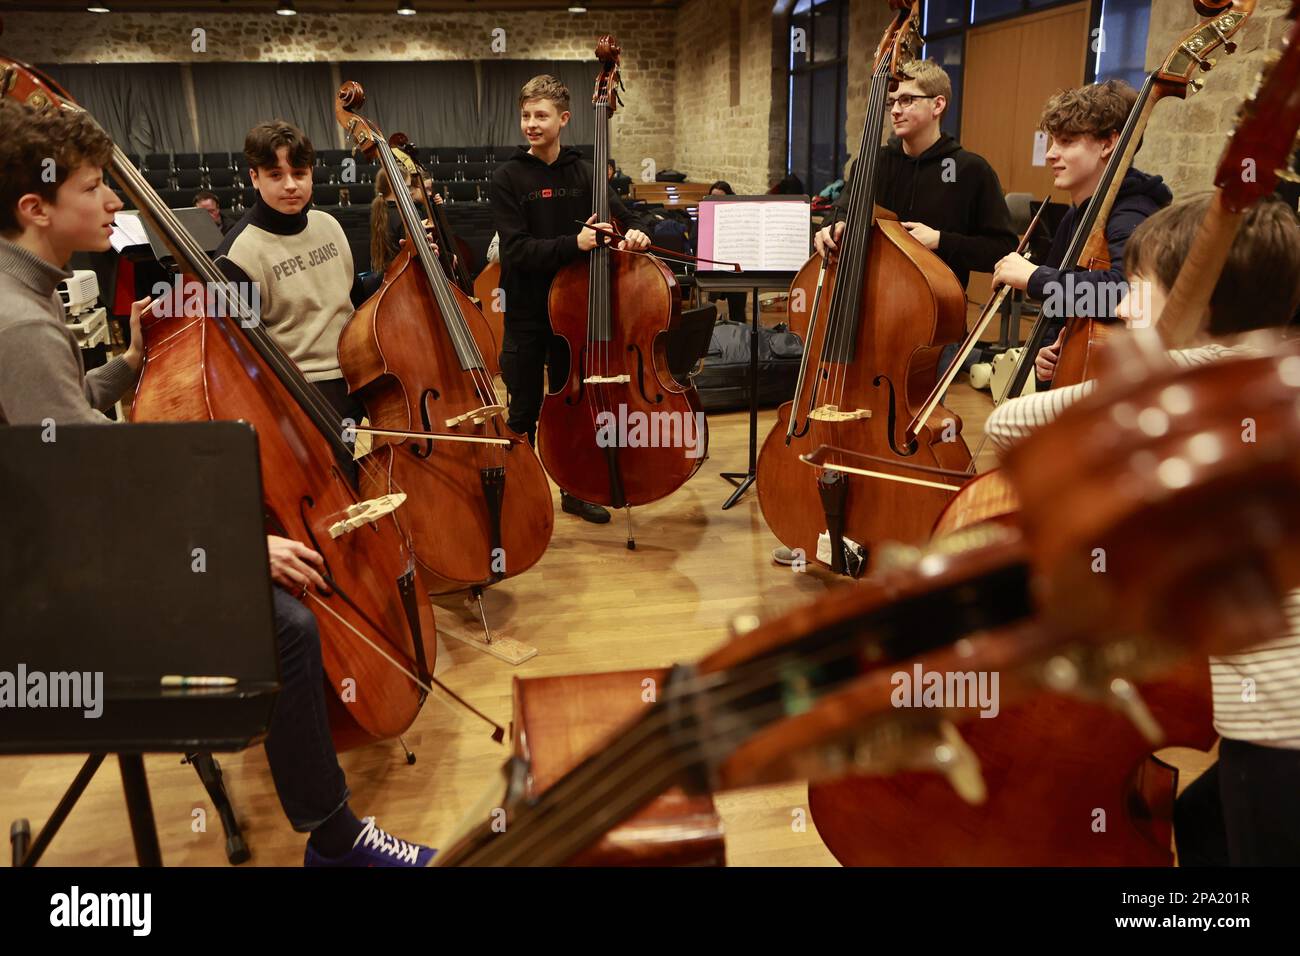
[833,413]
[365,512]
[478,416]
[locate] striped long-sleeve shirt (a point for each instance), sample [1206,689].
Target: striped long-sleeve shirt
[1257,693]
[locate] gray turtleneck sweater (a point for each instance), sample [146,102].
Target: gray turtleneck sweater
[42,376]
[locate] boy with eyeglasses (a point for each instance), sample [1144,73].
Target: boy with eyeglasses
[947,197]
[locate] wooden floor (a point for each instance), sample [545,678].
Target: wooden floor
[589,605]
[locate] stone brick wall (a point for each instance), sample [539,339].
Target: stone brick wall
[731,93]
[706,82]
[1185,139]
[644,128]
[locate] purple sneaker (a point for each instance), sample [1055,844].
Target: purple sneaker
[374,847]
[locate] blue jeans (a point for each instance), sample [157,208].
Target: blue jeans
[304,766]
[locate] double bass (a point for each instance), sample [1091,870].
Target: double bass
[812,692]
[614,312]
[873,324]
[207,357]
[414,354]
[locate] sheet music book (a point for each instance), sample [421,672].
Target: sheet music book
[762,233]
[128,231]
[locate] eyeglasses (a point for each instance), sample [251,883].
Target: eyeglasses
[905,100]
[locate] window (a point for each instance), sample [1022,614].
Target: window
[1120,41]
[818,70]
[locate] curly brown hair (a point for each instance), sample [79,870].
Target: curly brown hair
[29,139]
[1259,287]
[1096,110]
[545,87]
[265,139]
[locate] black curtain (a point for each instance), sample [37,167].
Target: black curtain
[140,105]
[435,103]
[232,98]
[502,80]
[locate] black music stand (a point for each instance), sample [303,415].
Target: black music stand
[754,282]
[134,552]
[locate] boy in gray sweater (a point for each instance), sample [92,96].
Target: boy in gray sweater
[54,202]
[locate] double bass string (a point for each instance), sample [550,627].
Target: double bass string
[190,254]
[453,320]
[580,798]
[852,266]
[599,306]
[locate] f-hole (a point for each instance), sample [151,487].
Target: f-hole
[424,449]
[572,399]
[819,376]
[305,504]
[640,376]
[892,422]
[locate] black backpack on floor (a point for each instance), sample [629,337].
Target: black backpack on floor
[723,383]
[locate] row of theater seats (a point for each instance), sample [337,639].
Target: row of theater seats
[471,163]
[459,173]
[238,198]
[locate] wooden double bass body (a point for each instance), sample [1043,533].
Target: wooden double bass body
[392,363]
[201,369]
[620,430]
[644,306]
[911,304]
[1050,764]
[874,322]
[414,353]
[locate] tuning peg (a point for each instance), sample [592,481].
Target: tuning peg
[1228,45]
[954,758]
[1125,697]
[1197,85]
[1061,675]
[1289,175]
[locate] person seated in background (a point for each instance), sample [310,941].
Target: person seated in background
[789,186]
[386,229]
[207,199]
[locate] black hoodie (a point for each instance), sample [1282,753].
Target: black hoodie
[949,189]
[1140,194]
[538,210]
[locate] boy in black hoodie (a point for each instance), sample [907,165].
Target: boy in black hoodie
[947,197]
[1085,126]
[538,198]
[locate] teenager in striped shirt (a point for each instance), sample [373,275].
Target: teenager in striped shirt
[1245,810]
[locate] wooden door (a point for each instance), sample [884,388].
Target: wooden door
[1012,67]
